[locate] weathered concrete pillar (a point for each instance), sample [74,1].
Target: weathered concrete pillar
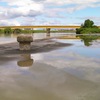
[48,32]
[24,42]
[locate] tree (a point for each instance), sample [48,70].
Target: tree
[88,24]
[87,27]
[8,30]
[1,31]
[17,30]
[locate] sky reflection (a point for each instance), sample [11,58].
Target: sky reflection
[77,60]
[63,74]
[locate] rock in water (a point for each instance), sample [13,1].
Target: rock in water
[24,42]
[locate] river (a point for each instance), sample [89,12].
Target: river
[68,73]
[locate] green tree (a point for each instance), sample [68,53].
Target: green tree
[17,30]
[1,31]
[87,27]
[88,24]
[8,30]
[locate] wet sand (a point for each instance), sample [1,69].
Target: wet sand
[37,46]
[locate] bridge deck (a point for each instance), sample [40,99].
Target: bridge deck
[59,26]
[40,26]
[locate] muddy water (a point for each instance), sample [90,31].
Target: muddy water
[69,73]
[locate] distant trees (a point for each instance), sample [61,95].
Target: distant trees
[1,31]
[8,30]
[87,27]
[17,30]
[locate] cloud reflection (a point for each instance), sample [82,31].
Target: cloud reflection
[46,79]
[71,61]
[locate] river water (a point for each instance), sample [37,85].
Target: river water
[68,73]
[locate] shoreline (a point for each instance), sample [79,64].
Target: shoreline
[37,46]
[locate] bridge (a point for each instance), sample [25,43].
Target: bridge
[42,26]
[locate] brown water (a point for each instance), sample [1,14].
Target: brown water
[69,73]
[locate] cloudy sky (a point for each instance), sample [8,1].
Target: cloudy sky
[48,12]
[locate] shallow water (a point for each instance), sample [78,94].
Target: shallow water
[8,38]
[68,73]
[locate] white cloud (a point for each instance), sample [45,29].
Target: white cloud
[72,1]
[7,22]
[26,8]
[45,8]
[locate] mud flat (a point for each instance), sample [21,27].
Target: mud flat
[37,46]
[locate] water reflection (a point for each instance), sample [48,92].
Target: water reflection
[25,60]
[69,73]
[48,35]
[88,39]
[48,32]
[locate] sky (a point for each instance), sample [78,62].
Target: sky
[48,12]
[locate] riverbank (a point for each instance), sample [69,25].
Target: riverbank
[37,46]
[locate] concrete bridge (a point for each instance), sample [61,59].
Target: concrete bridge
[47,27]
[42,26]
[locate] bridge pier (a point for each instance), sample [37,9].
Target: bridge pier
[47,32]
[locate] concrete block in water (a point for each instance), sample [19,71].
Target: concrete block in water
[24,42]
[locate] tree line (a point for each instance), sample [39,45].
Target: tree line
[8,30]
[88,27]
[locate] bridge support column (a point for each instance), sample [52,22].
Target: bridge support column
[47,32]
